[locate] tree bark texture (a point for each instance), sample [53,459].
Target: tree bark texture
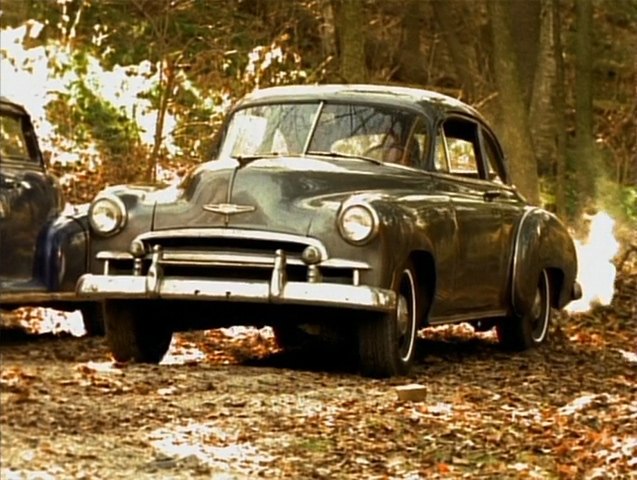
[451,18]
[541,107]
[412,63]
[585,152]
[525,29]
[350,29]
[514,125]
[560,114]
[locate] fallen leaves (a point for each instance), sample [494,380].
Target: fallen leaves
[230,404]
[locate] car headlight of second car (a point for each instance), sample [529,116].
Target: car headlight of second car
[358,223]
[107,215]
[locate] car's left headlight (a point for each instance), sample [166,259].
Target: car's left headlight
[107,215]
[358,223]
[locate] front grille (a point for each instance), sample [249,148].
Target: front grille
[226,254]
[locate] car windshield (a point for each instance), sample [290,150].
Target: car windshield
[331,129]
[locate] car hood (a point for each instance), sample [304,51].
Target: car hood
[285,194]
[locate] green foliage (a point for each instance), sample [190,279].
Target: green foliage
[619,200]
[88,120]
[211,52]
[628,202]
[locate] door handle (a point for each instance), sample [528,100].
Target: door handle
[491,195]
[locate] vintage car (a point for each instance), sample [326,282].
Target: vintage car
[42,253]
[366,211]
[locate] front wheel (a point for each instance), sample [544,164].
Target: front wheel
[530,329]
[135,332]
[93,318]
[387,342]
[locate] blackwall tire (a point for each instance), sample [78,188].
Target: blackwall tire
[135,332]
[387,342]
[93,319]
[291,337]
[530,329]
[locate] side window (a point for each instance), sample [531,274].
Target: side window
[494,163]
[13,143]
[462,147]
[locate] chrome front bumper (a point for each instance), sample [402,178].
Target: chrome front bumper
[276,290]
[101,287]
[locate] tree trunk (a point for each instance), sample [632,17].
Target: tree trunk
[525,28]
[584,103]
[166,84]
[541,108]
[350,29]
[412,63]
[449,16]
[560,114]
[514,125]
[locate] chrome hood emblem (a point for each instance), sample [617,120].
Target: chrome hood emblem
[228,208]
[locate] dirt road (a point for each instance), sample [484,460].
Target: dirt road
[235,408]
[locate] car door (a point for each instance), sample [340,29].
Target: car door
[479,264]
[503,197]
[28,196]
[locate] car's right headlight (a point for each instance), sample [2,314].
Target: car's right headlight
[107,215]
[358,223]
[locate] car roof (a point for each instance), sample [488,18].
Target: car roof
[9,105]
[387,94]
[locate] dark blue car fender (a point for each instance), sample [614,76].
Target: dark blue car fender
[62,252]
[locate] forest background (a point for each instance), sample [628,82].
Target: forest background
[134,90]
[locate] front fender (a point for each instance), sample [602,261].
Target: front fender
[62,253]
[542,242]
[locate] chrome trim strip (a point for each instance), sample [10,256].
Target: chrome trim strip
[98,287]
[111,255]
[279,276]
[342,263]
[188,257]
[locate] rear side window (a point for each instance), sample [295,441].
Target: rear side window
[462,147]
[13,144]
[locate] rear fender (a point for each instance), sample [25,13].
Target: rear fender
[542,242]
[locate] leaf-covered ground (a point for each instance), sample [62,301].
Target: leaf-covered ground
[234,407]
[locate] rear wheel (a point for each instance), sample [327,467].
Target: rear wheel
[387,342]
[520,332]
[135,332]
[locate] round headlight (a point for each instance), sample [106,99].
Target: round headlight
[358,223]
[107,215]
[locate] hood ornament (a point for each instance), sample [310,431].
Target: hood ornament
[228,208]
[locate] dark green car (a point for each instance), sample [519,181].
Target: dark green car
[368,211]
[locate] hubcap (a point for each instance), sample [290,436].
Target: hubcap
[406,316]
[540,309]
[402,316]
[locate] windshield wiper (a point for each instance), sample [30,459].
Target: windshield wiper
[344,155]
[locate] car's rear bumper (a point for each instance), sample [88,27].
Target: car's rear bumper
[105,287]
